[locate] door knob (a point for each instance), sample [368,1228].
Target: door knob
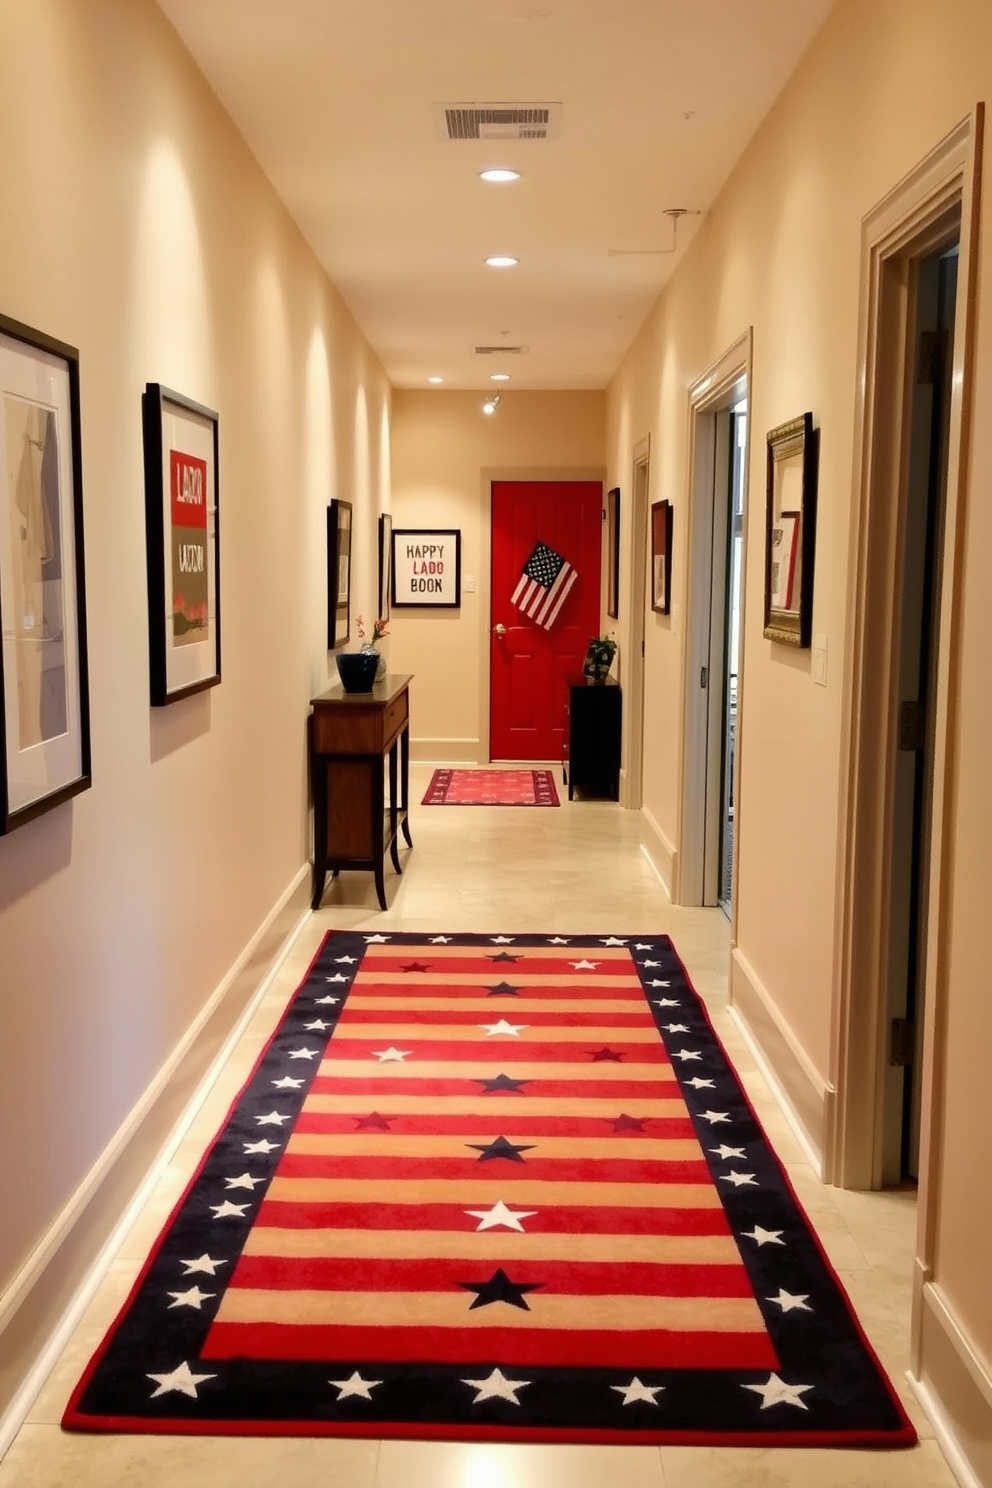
[499,631]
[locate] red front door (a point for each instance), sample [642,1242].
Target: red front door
[527,662]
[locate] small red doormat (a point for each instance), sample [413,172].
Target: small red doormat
[492,1188]
[491,788]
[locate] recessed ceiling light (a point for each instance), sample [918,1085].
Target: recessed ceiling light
[501,261]
[499,173]
[435,379]
[499,377]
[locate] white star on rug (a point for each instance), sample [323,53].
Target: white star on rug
[585,965]
[191,1298]
[439,939]
[654,966]
[345,960]
[303,1053]
[338,976]
[499,1214]
[738,1179]
[776,1392]
[274,1118]
[639,947]
[559,940]
[502,939]
[612,940]
[764,1237]
[287,1083]
[384,1055]
[181,1378]
[205,1263]
[496,1387]
[636,1391]
[376,939]
[714,1116]
[227,1210]
[676,1027]
[245,1181]
[687,1054]
[355,1386]
[723,1152]
[317,1026]
[502,1029]
[698,1083]
[326,1001]
[790,1303]
[261,1146]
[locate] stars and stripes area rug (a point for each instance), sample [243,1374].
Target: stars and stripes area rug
[492,1188]
[491,788]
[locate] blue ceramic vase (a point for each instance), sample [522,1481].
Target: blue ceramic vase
[357,669]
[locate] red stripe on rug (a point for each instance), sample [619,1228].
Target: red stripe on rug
[383,1169]
[574,1278]
[653,1349]
[548,1219]
[398,1124]
[665,1087]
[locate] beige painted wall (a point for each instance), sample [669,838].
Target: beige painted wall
[138,228]
[445,450]
[780,252]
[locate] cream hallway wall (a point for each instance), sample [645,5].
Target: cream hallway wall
[445,452]
[884,82]
[138,228]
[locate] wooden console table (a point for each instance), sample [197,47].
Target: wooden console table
[353,737]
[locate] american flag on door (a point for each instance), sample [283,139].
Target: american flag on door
[544,585]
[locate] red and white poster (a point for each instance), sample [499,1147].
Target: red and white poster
[190,598]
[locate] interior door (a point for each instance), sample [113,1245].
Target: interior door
[528,663]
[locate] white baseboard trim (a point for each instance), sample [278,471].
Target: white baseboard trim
[441,752]
[90,1269]
[953,1383]
[658,850]
[804,1096]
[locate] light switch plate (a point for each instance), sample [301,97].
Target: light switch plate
[468,583]
[818,660]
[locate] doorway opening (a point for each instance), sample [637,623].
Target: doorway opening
[711,733]
[907,527]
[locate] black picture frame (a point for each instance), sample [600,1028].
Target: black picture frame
[44,675]
[385,564]
[427,568]
[790,531]
[661,557]
[339,514]
[613,553]
[182,544]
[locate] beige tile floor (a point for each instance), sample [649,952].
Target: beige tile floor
[576,869]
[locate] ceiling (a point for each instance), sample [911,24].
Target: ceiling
[338,101]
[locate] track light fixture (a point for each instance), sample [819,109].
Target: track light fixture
[491,404]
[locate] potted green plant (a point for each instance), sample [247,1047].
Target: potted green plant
[599,658]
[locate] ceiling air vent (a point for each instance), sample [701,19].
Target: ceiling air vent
[502,350]
[498,121]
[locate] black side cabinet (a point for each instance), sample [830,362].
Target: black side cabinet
[591,737]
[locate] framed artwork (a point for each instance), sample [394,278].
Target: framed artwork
[613,552]
[44,697]
[385,564]
[182,544]
[790,530]
[427,568]
[661,557]
[338,573]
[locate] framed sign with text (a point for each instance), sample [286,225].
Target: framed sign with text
[427,568]
[181,537]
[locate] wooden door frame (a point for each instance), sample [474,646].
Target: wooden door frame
[635,627]
[709,395]
[911,219]
[487,475]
